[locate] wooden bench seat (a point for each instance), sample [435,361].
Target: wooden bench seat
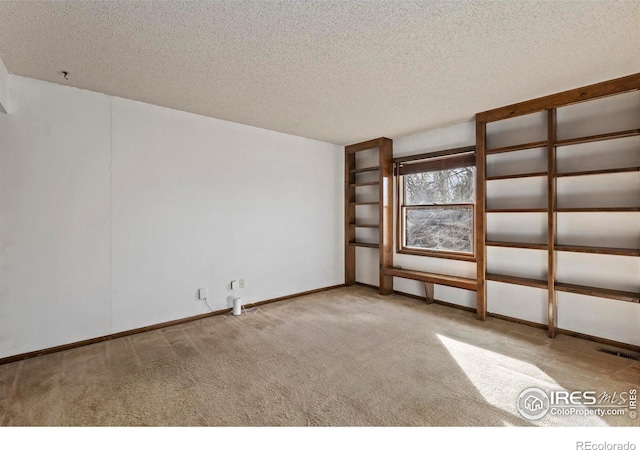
[430,279]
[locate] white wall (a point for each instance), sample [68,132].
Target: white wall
[54,216]
[595,316]
[198,202]
[114,212]
[3,88]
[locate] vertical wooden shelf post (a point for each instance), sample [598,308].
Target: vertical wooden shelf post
[551,218]
[481,232]
[385,155]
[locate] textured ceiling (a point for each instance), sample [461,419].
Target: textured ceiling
[337,71]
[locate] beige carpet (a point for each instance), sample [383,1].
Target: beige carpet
[341,357]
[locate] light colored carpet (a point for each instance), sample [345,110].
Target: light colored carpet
[342,357]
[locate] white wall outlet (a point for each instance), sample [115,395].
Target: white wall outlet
[235,284]
[203,293]
[241,283]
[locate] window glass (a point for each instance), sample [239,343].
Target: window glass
[438,207]
[440,228]
[440,186]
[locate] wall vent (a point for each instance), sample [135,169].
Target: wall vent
[620,354]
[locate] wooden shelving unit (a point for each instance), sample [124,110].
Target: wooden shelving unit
[384,147]
[546,170]
[549,105]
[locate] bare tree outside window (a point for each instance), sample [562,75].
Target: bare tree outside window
[438,210]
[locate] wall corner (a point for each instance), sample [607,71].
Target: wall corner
[4,89]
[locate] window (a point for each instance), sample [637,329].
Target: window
[436,198]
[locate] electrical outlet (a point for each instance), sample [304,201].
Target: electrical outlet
[242,283]
[234,284]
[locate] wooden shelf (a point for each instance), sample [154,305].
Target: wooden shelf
[519,175]
[381,176]
[633,297]
[514,148]
[517,245]
[363,225]
[470,284]
[365,169]
[369,183]
[599,137]
[557,200]
[601,209]
[598,250]
[516,210]
[598,172]
[364,244]
[520,281]
[364,203]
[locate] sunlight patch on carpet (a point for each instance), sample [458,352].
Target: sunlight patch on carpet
[500,379]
